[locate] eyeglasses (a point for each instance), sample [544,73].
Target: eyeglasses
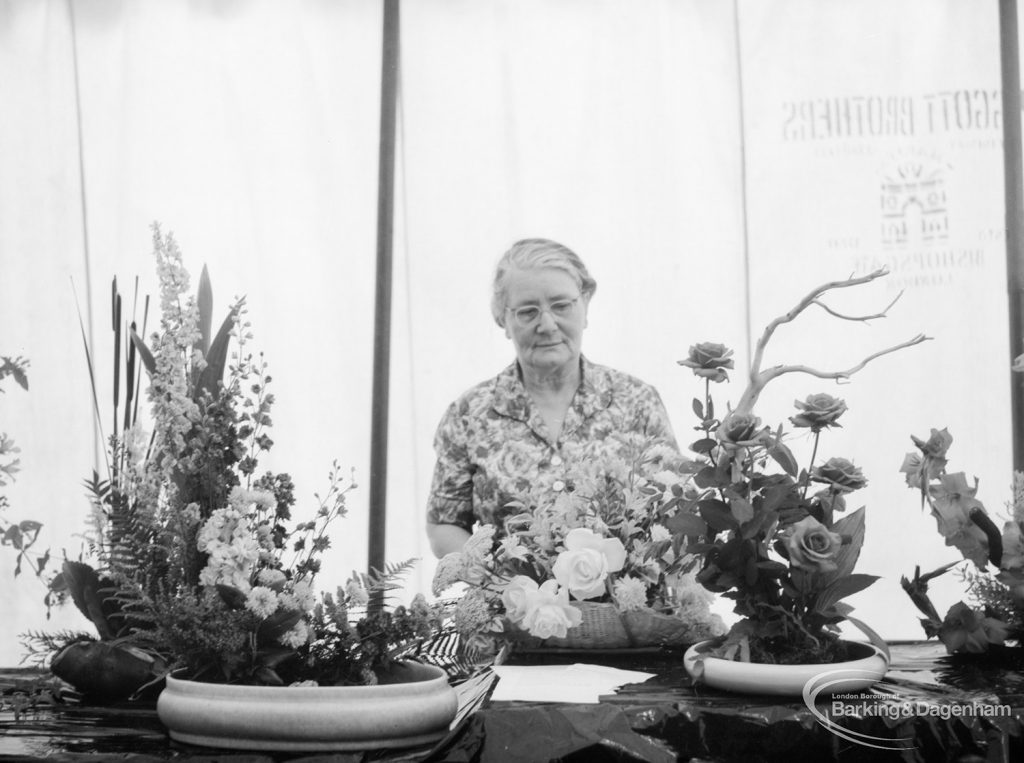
[527,315]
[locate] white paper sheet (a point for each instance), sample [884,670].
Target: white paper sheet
[578,683]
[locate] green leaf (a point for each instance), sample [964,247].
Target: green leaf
[741,510]
[267,677]
[717,515]
[147,357]
[58,584]
[12,537]
[842,588]
[773,568]
[851,527]
[277,625]
[754,526]
[217,357]
[83,584]
[710,476]
[685,523]
[30,526]
[231,596]
[19,376]
[204,302]
[698,408]
[271,658]
[704,445]
[783,456]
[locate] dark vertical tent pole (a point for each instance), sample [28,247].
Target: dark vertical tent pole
[382,309]
[1010,63]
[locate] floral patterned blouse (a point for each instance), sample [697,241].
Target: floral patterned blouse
[492,444]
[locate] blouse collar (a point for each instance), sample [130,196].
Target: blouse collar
[594,393]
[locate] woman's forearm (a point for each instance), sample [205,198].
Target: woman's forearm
[446,538]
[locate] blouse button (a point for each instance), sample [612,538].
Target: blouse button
[558,486]
[556,460]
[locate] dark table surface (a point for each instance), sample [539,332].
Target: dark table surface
[936,708]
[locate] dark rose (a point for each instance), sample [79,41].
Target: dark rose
[709,359]
[812,546]
[818,411]
[840,474]
[742,430]
[969,630]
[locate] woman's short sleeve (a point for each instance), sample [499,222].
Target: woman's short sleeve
[451,492]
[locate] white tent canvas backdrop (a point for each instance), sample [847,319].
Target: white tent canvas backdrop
[710,161]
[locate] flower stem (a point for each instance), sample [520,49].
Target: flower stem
[810,465]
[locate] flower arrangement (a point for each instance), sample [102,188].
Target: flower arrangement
[196,561]
[776,538]
[22,535]
[592,547]
[994,573]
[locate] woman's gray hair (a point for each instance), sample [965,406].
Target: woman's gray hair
[532,254]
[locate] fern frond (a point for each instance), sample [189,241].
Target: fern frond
[40,646]
[378,581]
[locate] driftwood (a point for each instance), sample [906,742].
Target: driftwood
[759,378]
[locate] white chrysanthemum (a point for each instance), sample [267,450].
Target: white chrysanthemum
[265,499]
[271,577]
[265,536]
[305,597]
[660,533]
[261,601]
[630,594]
[297,636]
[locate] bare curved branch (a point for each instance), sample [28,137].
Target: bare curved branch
[858,318]
[757,384]
[759,379]
[802,305]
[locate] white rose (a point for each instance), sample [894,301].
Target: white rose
[586,562]
[516,595]
[549,612]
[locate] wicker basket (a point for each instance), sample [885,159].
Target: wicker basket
[604,627]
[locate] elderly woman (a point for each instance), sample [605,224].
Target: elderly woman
[548,411]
